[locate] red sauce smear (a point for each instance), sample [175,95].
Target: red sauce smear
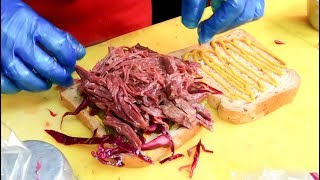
[38,167]
[278,42]
[195,157]
[315,175]
[52,113]
[47,124]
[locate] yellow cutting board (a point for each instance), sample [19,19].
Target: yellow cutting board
[286,139]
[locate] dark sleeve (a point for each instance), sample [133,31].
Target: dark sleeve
[163,10]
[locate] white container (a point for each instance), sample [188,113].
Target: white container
[313,13]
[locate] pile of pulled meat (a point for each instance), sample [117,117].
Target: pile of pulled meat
[141,91]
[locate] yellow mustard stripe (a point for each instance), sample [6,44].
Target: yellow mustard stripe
[266,60]
[230,79]
[231,70]
[196,56]
[217,67]
[245,70]
[254,76]
[261,59]
[271,80]
[186,56]
[226,62]
[283,63]
[258,61]
[228,93]
[236,77]
[223,84]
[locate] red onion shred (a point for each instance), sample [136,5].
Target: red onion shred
[68,140]
[52,113]
[163,140]
[103,153]
[173,156]
[38,167]
[108,156]
[142,139]
[314,175]
[200,87]
[151,129]
[82,106]
[170,158]
[167,134]
[204,149]
[160,141]
[195,157]
[278,42]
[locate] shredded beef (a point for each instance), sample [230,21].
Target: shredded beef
[122,128]
[137,88]
[177,115]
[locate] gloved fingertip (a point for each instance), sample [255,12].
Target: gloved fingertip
[189,24]
[9,90]
[81,52]
[49,85]
[203,35]
[259,10]
[7,87]
[43,87]
[202,40]
[68,82]
[70,70]
[215,4]
[258,15]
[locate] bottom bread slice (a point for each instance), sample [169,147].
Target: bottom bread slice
[71,99]
[240,111]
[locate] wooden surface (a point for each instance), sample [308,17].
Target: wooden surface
[286,139]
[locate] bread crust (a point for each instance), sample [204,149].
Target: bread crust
[255,110]
[71,99]
[262,108]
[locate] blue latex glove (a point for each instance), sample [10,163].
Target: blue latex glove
[34,53]
[228,14]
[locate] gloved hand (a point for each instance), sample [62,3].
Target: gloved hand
[228,14]
[34,53]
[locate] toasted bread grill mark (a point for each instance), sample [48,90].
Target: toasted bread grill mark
[233,64]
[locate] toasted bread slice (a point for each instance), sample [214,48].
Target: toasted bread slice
[71,99]
[237,110]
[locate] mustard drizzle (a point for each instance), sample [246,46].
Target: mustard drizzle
[229,78]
